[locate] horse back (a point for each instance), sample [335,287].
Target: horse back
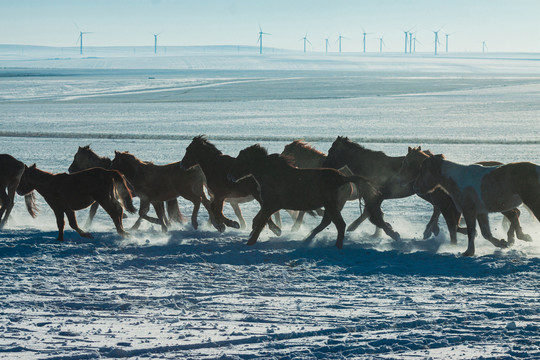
[10,168]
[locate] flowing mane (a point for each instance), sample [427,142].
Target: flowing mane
[132,158]
[301,145]
[204,142]
[346,142]
[258,152]
[95,157]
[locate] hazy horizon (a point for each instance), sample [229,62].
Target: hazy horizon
[505,26]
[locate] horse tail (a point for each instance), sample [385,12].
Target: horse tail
[122,193]
[31,206]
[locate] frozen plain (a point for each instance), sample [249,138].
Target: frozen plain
[200,294]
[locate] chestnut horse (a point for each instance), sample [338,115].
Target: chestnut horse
[86,158]
[11,171]
[478,190]
[410,169]
[66,193]
[283,186]
[157,183]
[216,166]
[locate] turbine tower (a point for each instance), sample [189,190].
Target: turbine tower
[155,43]
[484,47]
[80,39]
[381,43]
[446,36]
[305,40]
[339,40]
[415,40]
[261,33]
[364,41]
[436,39]
[326,43]
[406,39]
[410,42]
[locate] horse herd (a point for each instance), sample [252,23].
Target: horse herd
[301,179]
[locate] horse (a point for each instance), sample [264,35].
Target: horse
[66,193]
[283,186]
[11,171]
[216,166]
[86,158]
[478,190]
[157,183]
[410,169]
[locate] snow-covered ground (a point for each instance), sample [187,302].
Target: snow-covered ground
[201,294]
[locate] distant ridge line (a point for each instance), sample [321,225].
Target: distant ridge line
[267,138]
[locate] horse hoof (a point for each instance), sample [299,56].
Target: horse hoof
[235,225]
[339,246]
[527,238]
[220,228]
[468,253]
[251,242]
[503,244]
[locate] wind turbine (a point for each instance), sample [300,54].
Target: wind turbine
[365,33]
[339,40]
[415,40]
[484,47]
[436,39]
[406,39]
[80,39]
[261,33]
[381,43]
[326,43]
[155,43]
[305,40]
[446,36]
[410,41]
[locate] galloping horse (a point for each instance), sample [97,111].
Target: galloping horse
[66,193]
[478,190]
[216,166]
[11,171]
[86,158]
[283,186]
[410,169]
[157,183]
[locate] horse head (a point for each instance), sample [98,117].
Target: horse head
[124,162]
[410,166]
[86,158]
[26,184]
[198,150]
[340,152]
[430,174]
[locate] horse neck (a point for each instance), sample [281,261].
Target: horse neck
[207,158]
[38,178]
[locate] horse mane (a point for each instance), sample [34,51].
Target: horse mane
[92,154]
[302,145]
[134,158]
[203,141]
[344,140]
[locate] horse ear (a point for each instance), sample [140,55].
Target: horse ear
[33,166]
[419,148]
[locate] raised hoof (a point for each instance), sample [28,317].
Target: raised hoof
[220,227]
[276,231]
[395,236]
[351,228]
[527,238]
[436,230]
[502,244]
[235,225]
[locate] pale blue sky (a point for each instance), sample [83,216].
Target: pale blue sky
[512,25]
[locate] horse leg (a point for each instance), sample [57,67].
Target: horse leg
[515,225]
[338,221]
[432,226]
[373,208]
[277,219]
[174,211]
[470,220]
[160,211]
[91,214]
[221,220]
[196,201]
[4,199]
[259,221]
[72,219]
[273,226]
[59,214]
[356,223]
[483,222]
[239,215]
[299,220]
[115,211]
[326,220]
[143,214]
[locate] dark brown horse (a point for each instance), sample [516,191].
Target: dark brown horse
[409,172]
[66,193]
[86,158]
[478,190]
[283,186]
[11,171]
[216,166]
[157,183]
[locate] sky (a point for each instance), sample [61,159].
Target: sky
[505,26]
